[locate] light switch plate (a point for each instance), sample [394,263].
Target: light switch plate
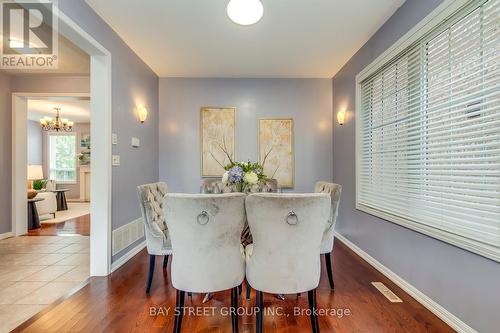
[115,161]
[114,138]
[136,142]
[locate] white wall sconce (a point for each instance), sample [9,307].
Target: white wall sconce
[341,117]
[142,112]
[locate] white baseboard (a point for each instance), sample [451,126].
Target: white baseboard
[6,235]
[123,259]
[446,316]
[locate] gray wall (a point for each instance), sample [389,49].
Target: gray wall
[40,83]
[308,101]
[465,284]
[35,144]
[5,153]
[133,83]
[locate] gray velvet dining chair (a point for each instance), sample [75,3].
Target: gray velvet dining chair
[211,185]
[334,190]
[284,258]
[207,254]
[152,200]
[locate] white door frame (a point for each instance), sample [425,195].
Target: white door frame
[100,106]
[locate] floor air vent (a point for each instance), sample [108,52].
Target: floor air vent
[392,297]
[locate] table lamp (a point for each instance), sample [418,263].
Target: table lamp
[34,172]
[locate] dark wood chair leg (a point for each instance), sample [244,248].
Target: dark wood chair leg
[165,261]
[259,311]
[311,297]
[248,291]
[234,306]
[151,272]
[329,270]
[179,310]
[240,288]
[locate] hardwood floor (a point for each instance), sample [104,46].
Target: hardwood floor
[77,226]
[118,304]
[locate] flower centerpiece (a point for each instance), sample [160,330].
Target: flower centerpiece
[243,176]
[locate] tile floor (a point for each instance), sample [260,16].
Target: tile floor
[37,270]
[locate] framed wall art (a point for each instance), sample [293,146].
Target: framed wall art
[276,149]
[218,139]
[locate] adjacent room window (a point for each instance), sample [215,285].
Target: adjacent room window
[429,132]
[62,157]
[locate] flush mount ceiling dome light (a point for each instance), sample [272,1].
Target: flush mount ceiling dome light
[245,12]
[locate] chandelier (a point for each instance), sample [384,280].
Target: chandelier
[58,124]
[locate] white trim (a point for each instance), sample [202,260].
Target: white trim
[436,17]
[19,164]
[6,235]
[126,257]
[446,316]
[100,117]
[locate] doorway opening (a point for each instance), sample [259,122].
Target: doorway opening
[100,158]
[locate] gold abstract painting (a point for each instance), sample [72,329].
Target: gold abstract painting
[276,149]
[217,127]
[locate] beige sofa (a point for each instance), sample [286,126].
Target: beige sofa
[48,205]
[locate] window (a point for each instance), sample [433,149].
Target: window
[62,158]
[428,136]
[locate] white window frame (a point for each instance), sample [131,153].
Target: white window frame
[435,18]
[49,134]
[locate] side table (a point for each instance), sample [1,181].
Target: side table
[61,199]
[33,219]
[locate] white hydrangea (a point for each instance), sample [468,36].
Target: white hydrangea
[225,177]
[251,178]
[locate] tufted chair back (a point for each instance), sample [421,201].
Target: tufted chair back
[271,185]
[287,230]
[205,231]
[211,185]
[152,200]
[334,190]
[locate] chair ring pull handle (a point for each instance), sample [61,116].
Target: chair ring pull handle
[292,218]
[203,218]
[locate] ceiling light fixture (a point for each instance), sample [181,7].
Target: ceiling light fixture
[58,124]
[245,12]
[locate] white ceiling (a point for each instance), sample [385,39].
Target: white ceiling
[74,110]
[295,38]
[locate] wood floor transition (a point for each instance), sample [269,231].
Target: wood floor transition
[76,226]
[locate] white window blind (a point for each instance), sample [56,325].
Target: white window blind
[429,132]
